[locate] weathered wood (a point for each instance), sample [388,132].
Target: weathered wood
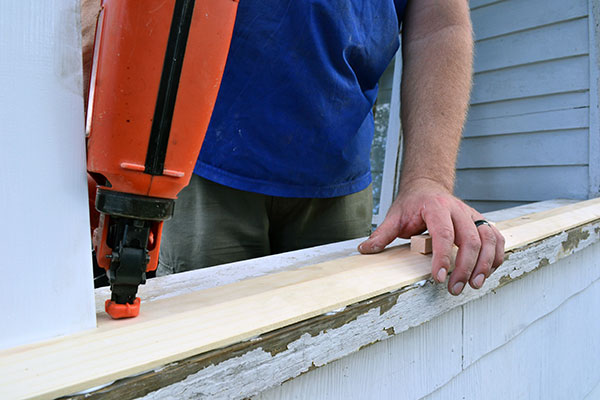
[421,360]
[555,357]
[182,327]
[318,344]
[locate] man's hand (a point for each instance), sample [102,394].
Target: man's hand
[426,204]
[437,50]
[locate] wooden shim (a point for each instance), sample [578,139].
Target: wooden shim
[421,244]
[177,328]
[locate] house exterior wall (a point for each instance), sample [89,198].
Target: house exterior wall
[532,129]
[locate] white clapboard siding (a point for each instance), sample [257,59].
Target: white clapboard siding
[512,107]
[536,149]
[527,136]
[555,41]
[510,16]
[549,77]
[524,184]
[577,118]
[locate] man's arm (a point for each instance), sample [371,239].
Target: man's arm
[436,82]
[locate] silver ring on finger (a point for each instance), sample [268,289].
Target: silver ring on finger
[480,222]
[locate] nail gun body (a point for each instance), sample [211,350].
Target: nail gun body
[155,77]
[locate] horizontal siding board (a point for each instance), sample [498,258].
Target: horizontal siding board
[488,206]
[516,15]
[482,3]
[523,184]
[559,76]
[528,105]
[535,122]
[559,40]
[525,150]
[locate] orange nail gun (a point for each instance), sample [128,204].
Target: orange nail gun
[155,77]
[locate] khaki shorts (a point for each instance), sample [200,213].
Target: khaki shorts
[214,224]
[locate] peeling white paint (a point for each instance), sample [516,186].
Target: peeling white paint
[258,370]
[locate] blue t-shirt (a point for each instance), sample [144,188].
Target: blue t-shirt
[293,117]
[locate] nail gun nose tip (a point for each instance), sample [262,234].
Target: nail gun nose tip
[119,311]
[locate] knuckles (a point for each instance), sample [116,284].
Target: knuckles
[445,233]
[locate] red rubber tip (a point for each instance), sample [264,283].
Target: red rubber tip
[118,311]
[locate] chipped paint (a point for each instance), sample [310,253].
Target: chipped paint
[504,280]
[281,355]
[390,302]
[574,237]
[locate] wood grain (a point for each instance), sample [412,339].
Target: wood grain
[176,328]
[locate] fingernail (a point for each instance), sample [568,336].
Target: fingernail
[478,281]
[441,275]
[457,288]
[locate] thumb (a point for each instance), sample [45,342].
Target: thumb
[382,236]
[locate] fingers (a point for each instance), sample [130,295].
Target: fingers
[469,245]
[500,242]
[442,240]
[383,235]
[487,254]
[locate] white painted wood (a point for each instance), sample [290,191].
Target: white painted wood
[46,288]
[594,394]
[493,320]
[557,76]
[406,366]
[525,150]
[512,107]
[523,184]
[393,148]
[555,357]
[555,120]
[402,367]
[594,144]
[518,15]
[416,308]
[491,324]
[560,40]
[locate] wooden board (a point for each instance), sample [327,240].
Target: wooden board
[173,329]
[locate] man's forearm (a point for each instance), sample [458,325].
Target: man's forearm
[436,83]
